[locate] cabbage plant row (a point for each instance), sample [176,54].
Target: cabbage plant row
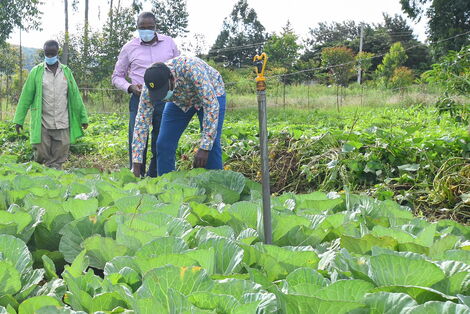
[192,242]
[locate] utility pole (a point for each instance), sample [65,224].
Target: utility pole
[65,53]
[359,71]
[86,42]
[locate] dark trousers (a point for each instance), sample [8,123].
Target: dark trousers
[156,120]
[173,125]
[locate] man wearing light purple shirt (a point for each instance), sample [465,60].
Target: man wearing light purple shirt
[135,57]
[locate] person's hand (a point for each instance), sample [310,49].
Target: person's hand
[85,126]
[135,89]
[200,160]
[136,169]
[18,128]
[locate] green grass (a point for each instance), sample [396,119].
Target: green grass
[296,96]
[301,96]
[324,97]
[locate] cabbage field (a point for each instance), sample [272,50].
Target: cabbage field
[370,212]
[191,242]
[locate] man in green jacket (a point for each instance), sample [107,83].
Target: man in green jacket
[57,111]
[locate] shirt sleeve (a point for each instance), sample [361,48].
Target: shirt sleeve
[26,98]
[120,71]
[141,128]
[210,104]
[176,51]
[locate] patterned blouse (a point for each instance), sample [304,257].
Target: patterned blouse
[196,85]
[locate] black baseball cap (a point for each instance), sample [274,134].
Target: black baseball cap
[156,79]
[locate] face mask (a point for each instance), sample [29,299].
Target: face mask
[52,60]
[169,94]
[146,34]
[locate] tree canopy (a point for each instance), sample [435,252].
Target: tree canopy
[242,34]
[283,49]
[24,14]
[447,18]
[378,38]
[172,17]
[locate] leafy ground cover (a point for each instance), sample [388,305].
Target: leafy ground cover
[191,242]
[407,154]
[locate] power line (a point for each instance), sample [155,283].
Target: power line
[404,32]
[235,48]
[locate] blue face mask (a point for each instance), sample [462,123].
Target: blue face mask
[169,94]
[146,34]
[51,60]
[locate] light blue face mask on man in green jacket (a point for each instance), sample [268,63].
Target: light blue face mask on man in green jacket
[31,99]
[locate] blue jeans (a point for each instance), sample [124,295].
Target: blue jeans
[174,122]
[156,120]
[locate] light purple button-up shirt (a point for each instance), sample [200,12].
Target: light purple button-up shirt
[136,57]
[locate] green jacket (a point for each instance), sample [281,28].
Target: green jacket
[31,98]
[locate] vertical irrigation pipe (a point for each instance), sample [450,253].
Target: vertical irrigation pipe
[260,65]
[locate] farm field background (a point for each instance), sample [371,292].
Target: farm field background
[353,195]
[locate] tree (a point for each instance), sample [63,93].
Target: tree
[104,47]
[392,60]
[8,61]
[419,57]
[447,18]
[242,34]
[86,67]
[172,17]
[8,68]
[340,63]
[283,49]
[452,74]
[333,34]
[364,62]
[377,39]
[397,28]
[402,78]
[24,14]
[93,54]
[117,31]
[196,46]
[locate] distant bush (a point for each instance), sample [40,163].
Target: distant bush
[402,78]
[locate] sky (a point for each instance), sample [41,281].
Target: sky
[206,16]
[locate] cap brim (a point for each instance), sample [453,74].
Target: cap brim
[159,93]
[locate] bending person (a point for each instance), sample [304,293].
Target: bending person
[190,86]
